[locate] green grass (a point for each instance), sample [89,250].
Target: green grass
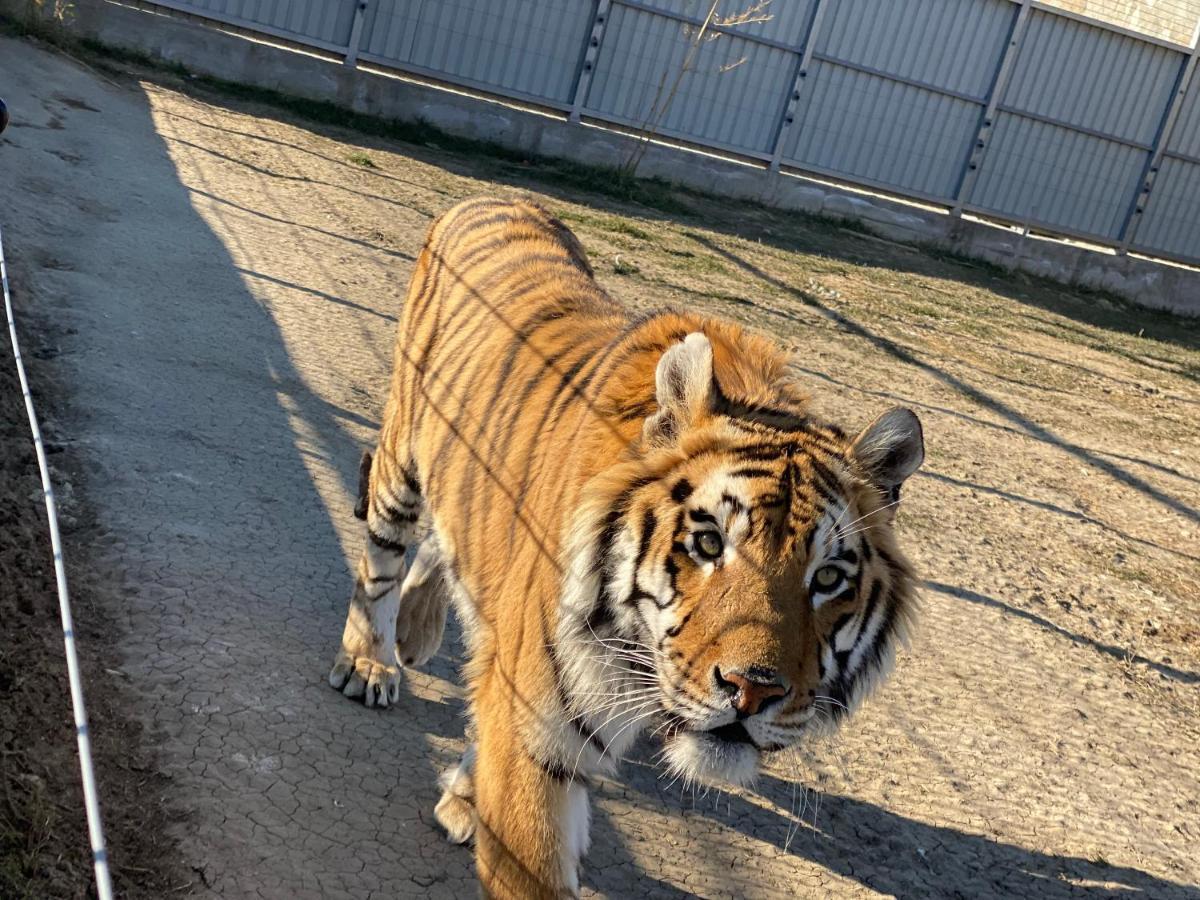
[361,159]
[624,226]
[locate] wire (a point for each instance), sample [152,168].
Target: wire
[91,799]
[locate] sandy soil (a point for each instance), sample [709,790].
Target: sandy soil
[222,280]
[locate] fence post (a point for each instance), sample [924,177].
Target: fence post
[970,171]
[590,54]
[1141,197]
[360,11]
[811,29]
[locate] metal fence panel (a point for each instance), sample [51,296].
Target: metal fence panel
[731,97]
[1171,223]
[526,47]
[323,21]
[880,131]
[947,43]
[1085,76]
[784,19]
[1185,136]
[892,94]
[1050,175]
[874,107]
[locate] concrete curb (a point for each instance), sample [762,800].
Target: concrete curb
[182,39]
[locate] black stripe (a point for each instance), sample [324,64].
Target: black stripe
[872,601]
[556,771]
[385,544]
[608,535]
[682,490]
[586,733]
[672,569]
[842,621]
[673,631]
[846,595]
[752,472]
[364,486]
[600,617]
[759,414]
[823,472]
[638,595]
[884,634]
[388,514]
[701,515]
[375,598]
[640,410]
[560,688]
[410,480]
[808,541]
[649,523]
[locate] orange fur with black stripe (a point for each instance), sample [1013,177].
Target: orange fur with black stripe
[641,523]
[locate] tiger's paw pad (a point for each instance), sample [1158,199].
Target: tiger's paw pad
[376,683]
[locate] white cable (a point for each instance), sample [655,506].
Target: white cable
[91,799]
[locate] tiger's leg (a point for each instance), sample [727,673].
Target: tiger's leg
[366,665]
[532,818]
[424,602]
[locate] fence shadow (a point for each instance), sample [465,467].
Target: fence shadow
[900,856]
[959,593]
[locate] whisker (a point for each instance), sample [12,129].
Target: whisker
[841,533]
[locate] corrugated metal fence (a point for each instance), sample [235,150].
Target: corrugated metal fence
[1009,109]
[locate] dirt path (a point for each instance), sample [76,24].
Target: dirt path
[226,283]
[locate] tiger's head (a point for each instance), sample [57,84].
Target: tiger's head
[734,583]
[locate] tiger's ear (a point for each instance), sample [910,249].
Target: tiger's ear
[683,387]
[890,449]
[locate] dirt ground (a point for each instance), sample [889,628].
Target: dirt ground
[43,835]
[216,283]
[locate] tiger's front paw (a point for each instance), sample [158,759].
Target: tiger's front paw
[366,665]
[377,682]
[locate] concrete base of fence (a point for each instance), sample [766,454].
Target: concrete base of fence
[220,52]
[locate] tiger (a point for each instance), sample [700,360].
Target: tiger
[641,524]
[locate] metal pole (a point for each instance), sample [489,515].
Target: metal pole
[970,171]
[591,53]
[802,64]
[1133,217]
[91,796]
[360,11]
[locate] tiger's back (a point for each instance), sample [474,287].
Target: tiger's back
[502,319]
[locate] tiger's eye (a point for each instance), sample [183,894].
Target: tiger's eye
[828,577]
[709,544]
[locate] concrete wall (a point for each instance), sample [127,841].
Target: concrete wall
[226,55]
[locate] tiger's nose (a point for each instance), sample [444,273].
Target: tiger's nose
[751,691]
